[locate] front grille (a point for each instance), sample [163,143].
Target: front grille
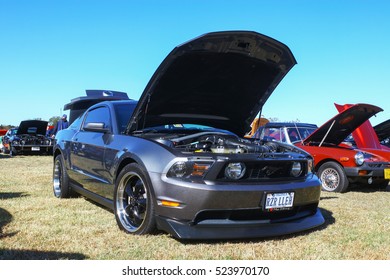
[275,170]
[378,165]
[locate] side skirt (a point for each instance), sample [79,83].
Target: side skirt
[97,198]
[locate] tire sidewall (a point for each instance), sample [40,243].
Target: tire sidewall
[148,225]
[64,179]
[343,180]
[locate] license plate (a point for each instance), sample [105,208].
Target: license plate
[35,148]
[387,173]
[279,200]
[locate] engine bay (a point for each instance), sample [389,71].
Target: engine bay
[222,143]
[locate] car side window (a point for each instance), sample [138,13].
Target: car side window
[98,115]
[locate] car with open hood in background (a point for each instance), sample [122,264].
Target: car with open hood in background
[29,138]
[337,163]
[172,161]
[382,130]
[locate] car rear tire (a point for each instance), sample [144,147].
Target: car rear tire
[134,201]
[333,178]
[61,187]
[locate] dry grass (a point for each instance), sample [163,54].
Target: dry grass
[36,225]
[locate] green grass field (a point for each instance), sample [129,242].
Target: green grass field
[36,225]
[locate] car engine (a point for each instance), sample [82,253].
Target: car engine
[223,143]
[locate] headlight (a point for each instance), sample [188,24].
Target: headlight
[359,158]
[15,142]
[296,169]
[189,169]
[235,170]
[179,169]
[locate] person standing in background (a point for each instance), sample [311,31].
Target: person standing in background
[61,124]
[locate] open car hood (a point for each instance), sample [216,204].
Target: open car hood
[220,79]
[339,127]
[364,135]
[32,127]
[383,130]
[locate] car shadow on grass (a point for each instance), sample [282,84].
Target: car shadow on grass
[369,188]
[5,218]
[10,195]
[12,254]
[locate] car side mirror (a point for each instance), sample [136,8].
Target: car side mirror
[96,127]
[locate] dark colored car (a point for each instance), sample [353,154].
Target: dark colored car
[31,138]
[286,132]
[173,161]
[5,139]
[79,105]
[383,132]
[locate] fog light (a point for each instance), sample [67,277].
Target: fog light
[235,170]
[296,169]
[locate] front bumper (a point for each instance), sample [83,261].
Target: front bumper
[33,148]
[224,211]
[361,174]
[227,229]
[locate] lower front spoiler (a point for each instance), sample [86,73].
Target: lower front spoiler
[222,229]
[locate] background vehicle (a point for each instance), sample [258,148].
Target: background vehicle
[382,130]
[30,137]
[5,140]
[173,161]
[285,132]
[79,105]
[337,163]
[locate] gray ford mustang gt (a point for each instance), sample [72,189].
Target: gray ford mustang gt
[175,160]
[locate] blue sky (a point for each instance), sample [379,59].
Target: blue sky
[51,51]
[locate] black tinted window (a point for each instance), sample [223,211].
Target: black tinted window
[123,113]
[99,115]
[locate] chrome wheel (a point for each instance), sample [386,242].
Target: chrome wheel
[330,179]
[333,177]
[61,187]
[57,175]
[131,202]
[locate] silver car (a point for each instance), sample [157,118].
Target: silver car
[175,160]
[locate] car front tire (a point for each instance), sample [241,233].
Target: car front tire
[134,201]
[333,178]
[61,187]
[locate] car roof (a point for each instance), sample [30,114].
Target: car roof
[288,124]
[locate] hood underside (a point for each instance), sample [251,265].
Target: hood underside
[32,127]
[383,130]
[220,79]
[342,125]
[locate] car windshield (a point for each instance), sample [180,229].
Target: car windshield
[299,133]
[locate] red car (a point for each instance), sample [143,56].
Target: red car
[340,164]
